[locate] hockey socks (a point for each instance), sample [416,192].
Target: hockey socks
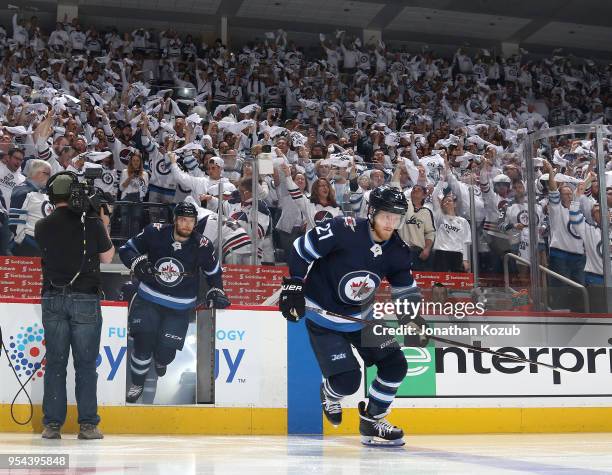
[139,367]
[382,393]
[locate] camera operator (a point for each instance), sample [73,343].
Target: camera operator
[73,242]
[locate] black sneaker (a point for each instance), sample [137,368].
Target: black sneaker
[160,369]
[376,430]
[90,432]
[134,393]
[332,409]
[51,431]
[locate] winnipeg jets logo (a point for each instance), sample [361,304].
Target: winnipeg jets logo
[177,246]
[170,271]
[161,168]
[107,178]
[376,250]
[523,218]
[46,208]
[358,287]
[157,226]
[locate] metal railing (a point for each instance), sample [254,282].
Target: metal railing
[570,282]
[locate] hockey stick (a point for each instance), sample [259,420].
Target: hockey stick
[442,340]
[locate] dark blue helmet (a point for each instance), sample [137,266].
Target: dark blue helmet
[185,209]
[387,198]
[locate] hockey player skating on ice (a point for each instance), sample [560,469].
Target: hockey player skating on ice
[349,258]
[167,260]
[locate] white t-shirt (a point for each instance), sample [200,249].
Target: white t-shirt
[453,234]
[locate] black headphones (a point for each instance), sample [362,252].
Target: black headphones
[53,197]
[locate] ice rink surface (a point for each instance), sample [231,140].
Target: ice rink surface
[576,454]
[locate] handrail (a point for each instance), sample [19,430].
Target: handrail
[562,278]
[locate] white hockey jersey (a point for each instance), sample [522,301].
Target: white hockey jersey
[35,207]
[591,236]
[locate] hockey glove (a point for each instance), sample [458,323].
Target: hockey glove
[416,326]
[144,270]
[216,298]
[292,303]
[414,322]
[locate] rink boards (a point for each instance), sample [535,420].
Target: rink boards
[267,380]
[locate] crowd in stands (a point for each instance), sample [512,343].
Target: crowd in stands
[167,118]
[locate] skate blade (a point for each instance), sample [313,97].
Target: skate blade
[377,442]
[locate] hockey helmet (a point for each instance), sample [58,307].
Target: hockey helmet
[387,198]
[187,209]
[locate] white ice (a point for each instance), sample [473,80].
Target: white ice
[550,454]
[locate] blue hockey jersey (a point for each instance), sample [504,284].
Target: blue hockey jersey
[347,267]
[178,264]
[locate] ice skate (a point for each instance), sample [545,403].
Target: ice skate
[134,393]
[332,409]
[377,431]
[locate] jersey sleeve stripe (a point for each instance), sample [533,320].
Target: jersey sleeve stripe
[167,300]
[295,194]
[403,292]
[236,243]
[554,197]
[132,244]
[296,245]
[215,270]
[150,147]
[309,246]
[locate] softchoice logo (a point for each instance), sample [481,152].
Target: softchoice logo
[26,350]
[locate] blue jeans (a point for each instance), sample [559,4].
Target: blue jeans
[71,320]
[567,264]
[571,266]
[593,279]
